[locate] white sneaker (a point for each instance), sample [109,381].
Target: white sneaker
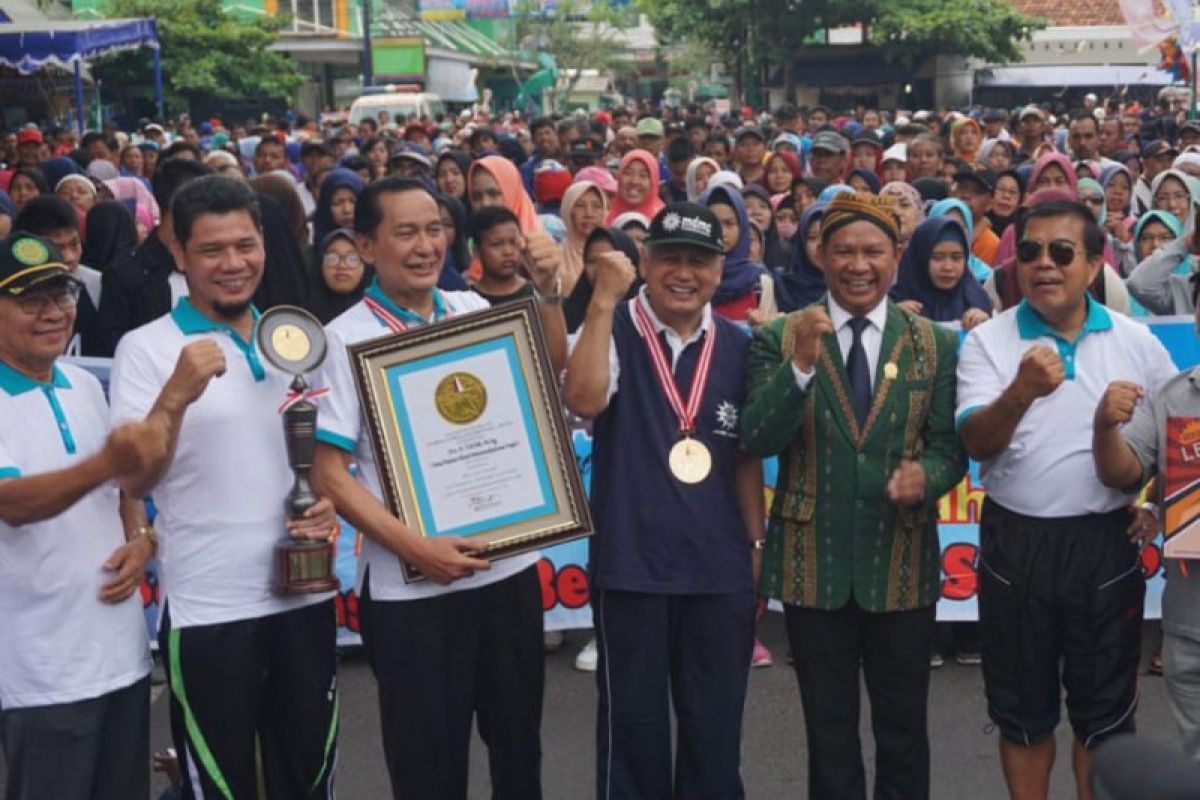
[552,641]
[588,657]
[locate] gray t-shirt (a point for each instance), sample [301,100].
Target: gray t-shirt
[1146,433]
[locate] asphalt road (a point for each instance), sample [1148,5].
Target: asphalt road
[965,763]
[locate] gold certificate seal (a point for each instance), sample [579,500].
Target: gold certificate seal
[460,398]
[291,343]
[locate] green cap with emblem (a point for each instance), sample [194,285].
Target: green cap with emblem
[27,261]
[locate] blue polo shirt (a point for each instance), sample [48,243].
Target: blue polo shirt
[655,533]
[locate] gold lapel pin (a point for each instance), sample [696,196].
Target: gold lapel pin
[890,371]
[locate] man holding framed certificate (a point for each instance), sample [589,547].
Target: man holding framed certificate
[467,641]
[678,511]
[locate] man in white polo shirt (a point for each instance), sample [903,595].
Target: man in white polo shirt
[250,672]
[468,641]
[1060,580]
[74,666]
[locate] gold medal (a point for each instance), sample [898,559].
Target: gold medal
[689,460]
[460,398]
[290,342]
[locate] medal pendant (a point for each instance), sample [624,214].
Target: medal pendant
[690,461]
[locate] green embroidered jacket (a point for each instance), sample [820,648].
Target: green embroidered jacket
[833,533]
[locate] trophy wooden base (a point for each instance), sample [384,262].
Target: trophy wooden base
[304,567]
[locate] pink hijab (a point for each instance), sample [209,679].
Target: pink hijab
[134,189]
[648,207]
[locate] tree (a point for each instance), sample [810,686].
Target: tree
[206,52]
[905,31]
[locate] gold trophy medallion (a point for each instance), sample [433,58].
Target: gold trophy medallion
[291,342]
[460,398]
[689,460]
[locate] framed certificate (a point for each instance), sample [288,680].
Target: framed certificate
[467,428]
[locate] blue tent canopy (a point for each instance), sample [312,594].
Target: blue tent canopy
[67,45]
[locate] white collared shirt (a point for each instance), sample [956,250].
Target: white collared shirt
[872,338]
[675,342]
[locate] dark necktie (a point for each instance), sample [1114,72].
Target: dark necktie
[858,372]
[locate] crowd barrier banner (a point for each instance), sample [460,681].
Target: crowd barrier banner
[563,569]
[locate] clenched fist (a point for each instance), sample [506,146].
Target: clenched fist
[907,485]
[134,447]
[809,326]
[1117,404]
[613,275]
[544,260]
[198,364]
[1040,373]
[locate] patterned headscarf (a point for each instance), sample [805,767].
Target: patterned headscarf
[850,207]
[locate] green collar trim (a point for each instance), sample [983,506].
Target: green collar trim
[192,322]
[14,383]
[375,292]
[1030,324]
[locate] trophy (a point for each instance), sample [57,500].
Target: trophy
[293,341]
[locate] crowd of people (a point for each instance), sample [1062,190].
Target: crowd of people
[714,291]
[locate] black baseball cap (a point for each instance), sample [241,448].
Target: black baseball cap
[686,223]
[1159,147]
[27,261]
[982,177]
[586,147]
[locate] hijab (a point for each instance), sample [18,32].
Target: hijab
[740,274]
[284,280]
[576,305]
[1112,171]
[867,175]
[55,169]
[458,254]
[134,193]
[789,159]
[1062,162]
[914,283]
[1184,267]
[1091,186]
[803,283]
[1000,224]
[692,191]
[516,200]
[338,178]
[323,302]
[975,264]
[284,193]
[111,234]
[464,165]
[775,252]
[1190,185]
[572,246]
[649,206]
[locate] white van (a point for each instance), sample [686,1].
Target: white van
[400,103]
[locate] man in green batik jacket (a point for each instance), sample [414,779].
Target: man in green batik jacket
[856,397]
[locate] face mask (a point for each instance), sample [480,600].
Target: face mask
[786,229]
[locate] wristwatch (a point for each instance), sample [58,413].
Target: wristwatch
[145,532]
[758,544]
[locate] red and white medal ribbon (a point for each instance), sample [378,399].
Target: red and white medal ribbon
[295,397]
[393,323]
[686,413]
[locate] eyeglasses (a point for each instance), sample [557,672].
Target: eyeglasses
[65,297]
[352,260]
[1061,253]
[1094,200]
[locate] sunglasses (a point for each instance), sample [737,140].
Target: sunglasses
[1061,253]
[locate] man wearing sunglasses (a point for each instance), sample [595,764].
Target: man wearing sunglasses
[74,665]
[1060,596]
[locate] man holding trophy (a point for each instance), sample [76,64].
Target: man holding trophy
[252,671]
[466,642]
[856,397]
